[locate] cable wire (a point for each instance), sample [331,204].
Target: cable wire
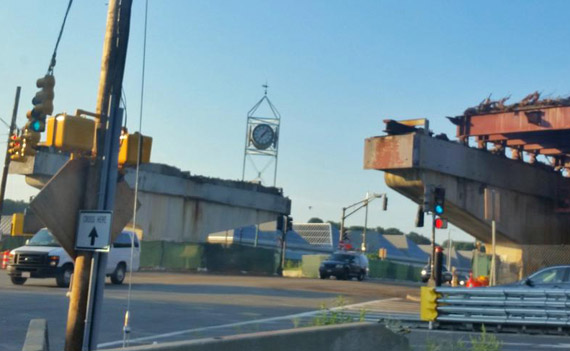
[124,100]
[4,122]
[52,61]
[126,328]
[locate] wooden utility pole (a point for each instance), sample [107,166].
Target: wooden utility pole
[97,194]
[7,158]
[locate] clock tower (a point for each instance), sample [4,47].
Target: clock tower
[261,140]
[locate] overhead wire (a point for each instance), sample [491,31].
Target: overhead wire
[124,101]
[126,328]
[4,122]
[52,61]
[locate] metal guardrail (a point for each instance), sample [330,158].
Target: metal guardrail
[513,306]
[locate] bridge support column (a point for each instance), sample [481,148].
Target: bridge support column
[465,209]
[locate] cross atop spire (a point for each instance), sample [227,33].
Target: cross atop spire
[265,86]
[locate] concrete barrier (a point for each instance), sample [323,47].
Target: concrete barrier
[37,337]
[342,337]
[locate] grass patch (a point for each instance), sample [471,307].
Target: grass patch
[482,342]
[335,315]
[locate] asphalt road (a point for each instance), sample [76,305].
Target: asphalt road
[166,306]
[169,307]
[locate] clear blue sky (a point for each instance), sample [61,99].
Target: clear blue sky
[336,69]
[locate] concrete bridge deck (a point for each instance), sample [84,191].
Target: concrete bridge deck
[175,205]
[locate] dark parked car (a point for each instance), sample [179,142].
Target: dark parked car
[445,274]
[344,265]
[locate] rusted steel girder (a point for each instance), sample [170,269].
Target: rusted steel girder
[514,122]
[534,129]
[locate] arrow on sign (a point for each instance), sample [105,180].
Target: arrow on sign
[93,235]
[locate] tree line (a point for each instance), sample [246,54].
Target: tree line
[10,207]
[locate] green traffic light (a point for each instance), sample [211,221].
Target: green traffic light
[37,126]
[438,209]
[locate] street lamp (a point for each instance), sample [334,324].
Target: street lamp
[363,204]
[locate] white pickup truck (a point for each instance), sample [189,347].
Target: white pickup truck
[43,257]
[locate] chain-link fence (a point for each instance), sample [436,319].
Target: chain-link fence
[517,261]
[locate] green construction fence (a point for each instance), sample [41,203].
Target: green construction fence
[392,270]
[213,257]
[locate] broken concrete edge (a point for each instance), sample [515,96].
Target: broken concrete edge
[46,163]
[37,338]
[354,336]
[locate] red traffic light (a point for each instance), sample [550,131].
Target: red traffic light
[15,141]
[440,223]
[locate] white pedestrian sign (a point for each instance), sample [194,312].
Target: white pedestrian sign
[94,231]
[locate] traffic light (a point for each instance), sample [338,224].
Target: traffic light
[439,208]
[344,235]
[420,217]
[428,303]
[133,150]
[30,140]
[15,148]
[289,226]
[43,104]
[284,223]
[384,202]
[439,201]
[440,223]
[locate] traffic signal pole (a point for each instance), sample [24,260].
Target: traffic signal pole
[89,273]
[7,158]
[363,246]
[432,263]
[363,203]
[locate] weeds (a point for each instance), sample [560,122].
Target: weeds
[483,342]
[362,316]
[335,315]
[445,345]
[292,264]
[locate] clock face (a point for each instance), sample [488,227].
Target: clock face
[262,136]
